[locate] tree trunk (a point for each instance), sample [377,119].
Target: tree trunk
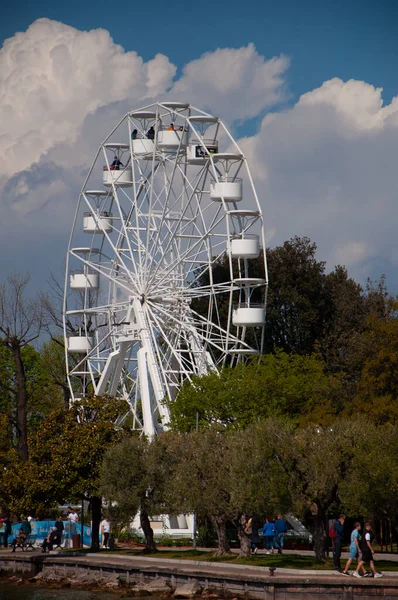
[20,379]
[150,545]
[96,505]
[244,538]
[320,538]
[220,525]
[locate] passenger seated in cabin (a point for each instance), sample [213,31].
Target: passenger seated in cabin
[150,134]
[116,164]
[200,152]
[53,539]
[170,127]
[20,540]
[134,134]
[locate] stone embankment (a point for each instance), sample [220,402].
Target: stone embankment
[143,576]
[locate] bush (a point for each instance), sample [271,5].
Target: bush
[206,537]
[128,536]
[173,541]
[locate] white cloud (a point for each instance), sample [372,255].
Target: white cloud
[52,76]
[325,167]
[236,84]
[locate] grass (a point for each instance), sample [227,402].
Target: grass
[284,561]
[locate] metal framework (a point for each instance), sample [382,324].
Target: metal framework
[145,306]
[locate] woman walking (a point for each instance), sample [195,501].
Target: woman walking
[269,535]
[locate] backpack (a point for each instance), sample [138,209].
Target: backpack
[332,532]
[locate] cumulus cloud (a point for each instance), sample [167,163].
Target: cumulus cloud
[235,84]
[326,169]
[52,76]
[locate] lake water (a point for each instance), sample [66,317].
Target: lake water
[26,592]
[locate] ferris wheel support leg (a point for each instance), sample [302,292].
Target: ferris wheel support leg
[149,426]
[117,372]
[157,385]
[101,387]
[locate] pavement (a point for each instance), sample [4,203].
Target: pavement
[221,569]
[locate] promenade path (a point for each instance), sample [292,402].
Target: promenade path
[225,579]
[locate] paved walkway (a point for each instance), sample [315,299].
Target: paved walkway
[195,567]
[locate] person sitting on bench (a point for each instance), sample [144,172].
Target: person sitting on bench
[20,540]
[53,539]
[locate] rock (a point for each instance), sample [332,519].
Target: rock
[19,581]
[113,584]
[37,577]
[188,590]
[155,587]
[50,576]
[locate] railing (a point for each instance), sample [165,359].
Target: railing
[248,305]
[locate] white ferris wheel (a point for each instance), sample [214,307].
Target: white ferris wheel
[145,307]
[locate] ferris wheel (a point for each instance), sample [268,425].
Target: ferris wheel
[159,282]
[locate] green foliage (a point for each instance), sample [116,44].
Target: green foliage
[291,386]
[370,484]
[135,476]
[296,298]
[377,392]
[67,451]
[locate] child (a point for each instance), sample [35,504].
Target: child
[367,552]
[354,549]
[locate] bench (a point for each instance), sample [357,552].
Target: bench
[25,544]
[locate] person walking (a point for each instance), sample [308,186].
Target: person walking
[105,531]
[59,524]
[280,530]
[355,548]
[367,552]
[269,535]
[2,533]
[73,519]
[338,542]
[8,524]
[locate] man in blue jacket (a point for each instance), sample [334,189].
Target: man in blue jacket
[339,530]
[280,530]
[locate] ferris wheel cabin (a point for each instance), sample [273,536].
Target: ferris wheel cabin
[80,344]
[80,280]
[97,223]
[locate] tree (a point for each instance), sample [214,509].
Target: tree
[370,487]
[377,391]
[296,297]
[135,476]
[21,321]
[53,358]
[201,481]
[259,484]
[292,386]
[319,465]
[66,455]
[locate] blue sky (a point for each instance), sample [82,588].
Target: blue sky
[340,38]
[321,139]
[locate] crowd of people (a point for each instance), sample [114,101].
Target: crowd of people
[24,536]
[361,549]
[273,534]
